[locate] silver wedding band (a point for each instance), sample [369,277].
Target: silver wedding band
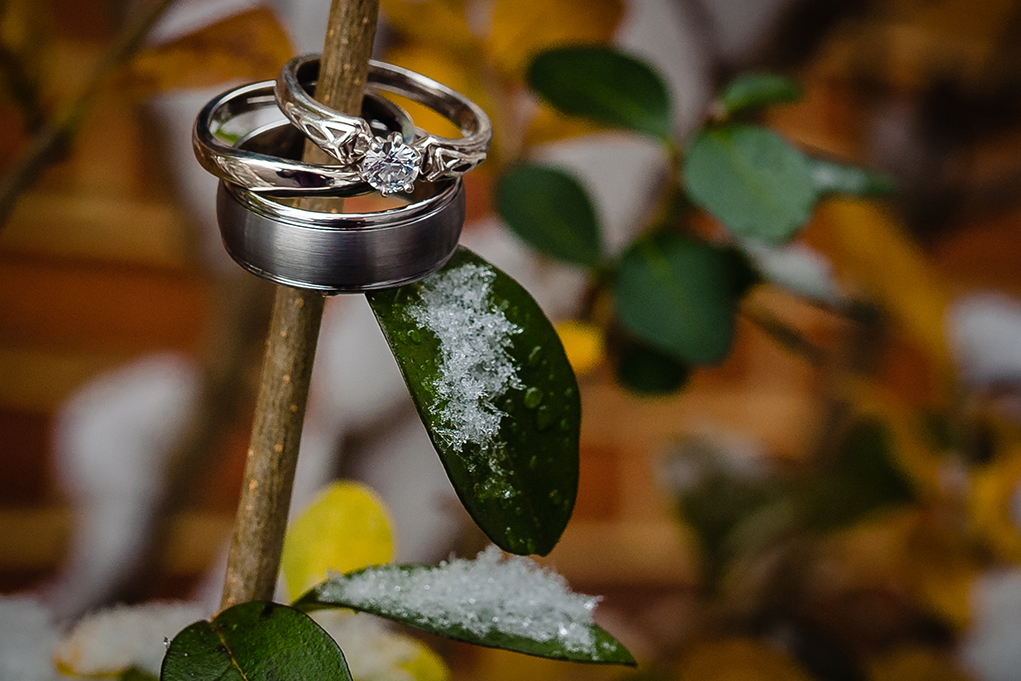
[337,252]
[388,164]
[272,175]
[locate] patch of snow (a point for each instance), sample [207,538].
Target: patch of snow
[112,442]
[698,457]
[121,637]
[475,368]
[558,288]
[797,268]
[28,636]
[985,329]
[490,594]
[989,649]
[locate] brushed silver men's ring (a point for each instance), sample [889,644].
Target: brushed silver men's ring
[243,110]
[389,164]
[337,252]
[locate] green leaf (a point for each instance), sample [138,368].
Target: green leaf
[837,178]
[751,180]
[515,609]
[865,478]
[496,393]
[256,641]
[648,371]
[551,211]
[678,295]
[752,90]
[604,85]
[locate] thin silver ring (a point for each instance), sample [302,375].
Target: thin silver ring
[388,164]
[269,174]
[338,252]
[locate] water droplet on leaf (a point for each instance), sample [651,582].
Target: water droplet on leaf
[414,336]
[535,356]
[533,397]
[544,418]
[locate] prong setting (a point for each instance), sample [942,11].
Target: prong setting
[389,165]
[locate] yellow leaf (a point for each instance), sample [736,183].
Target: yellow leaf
[346,528]
[425,665]
[246,46]
[916,664]
[944,568]
[520,30]
[549,125]
[493,664]
[911,451]
[866,245]
[946,588]
[448,68]
[583,343]
[996,502]
[375,652]
[441,22]
[738,659]
[911,551]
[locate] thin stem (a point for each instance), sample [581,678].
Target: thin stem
[784,334]
[22,87]
[54,136]
[283,393]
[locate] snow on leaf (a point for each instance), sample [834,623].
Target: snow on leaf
[796,267]
[474,337]
[113,640]
[510,603]
[496,394]
[28,635]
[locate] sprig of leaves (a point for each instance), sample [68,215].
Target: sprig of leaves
[675,293]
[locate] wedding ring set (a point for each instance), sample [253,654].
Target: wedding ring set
[252,138]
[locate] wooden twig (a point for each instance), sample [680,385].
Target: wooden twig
[276,433]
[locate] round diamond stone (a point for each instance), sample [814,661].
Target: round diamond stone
[390,165]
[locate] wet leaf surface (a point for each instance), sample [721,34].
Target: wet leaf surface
[510,450]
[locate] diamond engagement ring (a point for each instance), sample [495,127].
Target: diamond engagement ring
[244,111]
[337,252]
[390,164]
